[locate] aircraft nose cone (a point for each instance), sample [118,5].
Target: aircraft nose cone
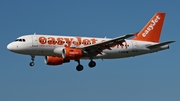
[10,47]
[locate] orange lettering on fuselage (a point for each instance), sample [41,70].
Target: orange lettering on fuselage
[103,40]
[93,41]
[122,45]
[51,40]
[60,41]
[67,42]
[78,42]
[42,40]
[86,42]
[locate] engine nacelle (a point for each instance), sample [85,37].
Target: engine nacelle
[54,60]
[58,50]
[72,53]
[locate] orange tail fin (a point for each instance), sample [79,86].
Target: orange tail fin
[152,31]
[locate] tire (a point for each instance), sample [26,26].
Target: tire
[92,64]
[31,63]
[79,68]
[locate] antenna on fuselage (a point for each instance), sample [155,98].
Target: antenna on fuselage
[35,33]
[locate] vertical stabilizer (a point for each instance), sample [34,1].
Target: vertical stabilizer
[152,30]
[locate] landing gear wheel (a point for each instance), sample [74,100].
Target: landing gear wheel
[79,68]
[31,63]
[92,64]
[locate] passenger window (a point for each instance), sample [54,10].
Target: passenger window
[24,40]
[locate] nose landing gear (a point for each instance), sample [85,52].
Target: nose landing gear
[32,63]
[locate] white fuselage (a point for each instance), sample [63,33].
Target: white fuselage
[44,45]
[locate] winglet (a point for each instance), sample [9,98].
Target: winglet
[136,33]
[152,30]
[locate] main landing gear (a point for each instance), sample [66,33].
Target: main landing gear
[92,64]
[32,63]
[80,67]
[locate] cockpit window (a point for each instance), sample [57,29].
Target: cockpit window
[17,40]
[20,40]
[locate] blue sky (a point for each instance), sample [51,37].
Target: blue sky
[151,77]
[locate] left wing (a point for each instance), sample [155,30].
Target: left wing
[99,47]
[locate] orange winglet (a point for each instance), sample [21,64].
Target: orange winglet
[152,30]
[136,33]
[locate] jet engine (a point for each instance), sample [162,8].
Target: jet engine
[54,60]
[72,53]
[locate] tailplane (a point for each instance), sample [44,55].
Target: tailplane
[159,44]
[152,30]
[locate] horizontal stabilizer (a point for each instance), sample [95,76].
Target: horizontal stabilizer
[159,44]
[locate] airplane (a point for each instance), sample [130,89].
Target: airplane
[62,49]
